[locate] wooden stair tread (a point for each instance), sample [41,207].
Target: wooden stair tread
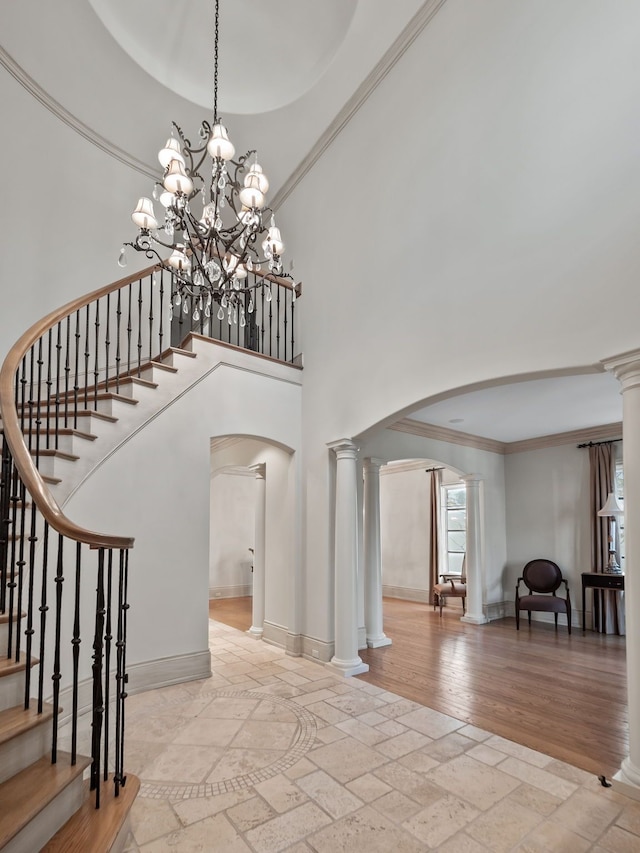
[53,481]
[160,366]
[57,454]
[24,795]
[101,395]
[17,720]
[178,351]
[77,433]
[91,829]
[11,617]
[8,666]
[81,413]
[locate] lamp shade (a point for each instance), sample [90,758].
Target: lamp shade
[176,180]
[171,151]
[179,260]
[219,144]
[611,506]
[143,215]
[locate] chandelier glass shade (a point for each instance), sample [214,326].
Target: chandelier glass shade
[215,227]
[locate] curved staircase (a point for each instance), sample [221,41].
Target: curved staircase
[73,389]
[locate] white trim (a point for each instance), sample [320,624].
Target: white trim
[56,108]
[317,650]
[274,635]
[407,593]
[240,590]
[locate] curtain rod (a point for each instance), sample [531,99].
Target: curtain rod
[597,443]
[429,470]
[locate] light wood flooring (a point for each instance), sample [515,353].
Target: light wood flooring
[563,695]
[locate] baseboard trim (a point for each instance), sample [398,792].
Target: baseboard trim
[163,672]
[406,593]
[294,645]
[317,650]
[275,635]
[238,591]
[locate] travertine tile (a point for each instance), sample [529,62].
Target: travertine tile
[462,843]
[364,830]
[329,734]
[429,722]
[206,731]
[476,782]
[287,828]
[356,704]
[549,837]
[281,793]
[300,768]
[344,760]
[403,744]
[261,734]
[152,819]
[586,814]
[368,787]
[618,840]
[414,785]
[440,820]
[239,762]
[474,733]
[538,778]
[503,826]
[231,708]
[193,810]
[418,761]
[535,798]
[183,763]
[570,773]
[329,794]
[390,728]
[486,754]
[362,732]
[530,756]
[397,806]
[373,718]
[327,712]
[197,838]
[251,813]
[449,746]
[629,818]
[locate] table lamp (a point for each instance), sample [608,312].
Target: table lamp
[611,510]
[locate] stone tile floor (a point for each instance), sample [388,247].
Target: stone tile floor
[275,753]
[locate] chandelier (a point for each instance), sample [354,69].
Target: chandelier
[215,222]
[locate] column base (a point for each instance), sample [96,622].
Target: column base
[474,620]
[254,632]
[627,780]
[348,667]
[378,642]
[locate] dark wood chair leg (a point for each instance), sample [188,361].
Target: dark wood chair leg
[555,616]
[517,617]
[529,612]
[464,606]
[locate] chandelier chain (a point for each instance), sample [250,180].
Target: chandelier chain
[215,63]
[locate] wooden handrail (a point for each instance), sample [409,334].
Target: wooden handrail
[23,460]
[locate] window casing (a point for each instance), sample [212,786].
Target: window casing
[455,526]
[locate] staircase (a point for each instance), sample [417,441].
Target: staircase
[72,389]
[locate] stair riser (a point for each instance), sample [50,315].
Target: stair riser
[21,751]
[55,466]
[35,835]
[11,690]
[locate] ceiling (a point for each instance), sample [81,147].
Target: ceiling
[292,73]
[523,410]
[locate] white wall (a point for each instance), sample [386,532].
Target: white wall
[232,532]
[548,514]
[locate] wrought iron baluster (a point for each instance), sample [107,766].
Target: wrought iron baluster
[140,303]
[87,356]
[5,523]
[76,385]
[29,632]
[107,342]
[57,398]
[67,371]
[129,329]
[262,317]
[118,333]
[98,696]
[162,310]
[57,674]
[49,386]
[30,402]
[285,320]
[108,637]
[293,308]
[75,643]
[121,675]
[96,362]
[20,564]
[152,284]
[43,609]
[270,301]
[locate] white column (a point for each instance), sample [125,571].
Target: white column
[626,368]
[474,558]
[346,659]
[257,614]
[372,562]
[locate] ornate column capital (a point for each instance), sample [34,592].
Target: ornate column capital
[344,448]
[625,367]
[371,464]
[471,479]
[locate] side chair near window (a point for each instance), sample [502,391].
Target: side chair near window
[542,578]
[451,585]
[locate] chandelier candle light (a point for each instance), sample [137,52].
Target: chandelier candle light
[214,226]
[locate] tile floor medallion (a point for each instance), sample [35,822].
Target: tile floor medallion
[275,753]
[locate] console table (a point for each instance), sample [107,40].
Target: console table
[599,581]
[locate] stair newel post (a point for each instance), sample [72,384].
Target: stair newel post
[87,356]
[107,342]
[67,370]
[76,386]
[33,541]
[49,384]
[98,696]
[57,675]
[139,345]
[75,644]
[108,637]
[43,609]
[118,330]
[96,354]
[121,675]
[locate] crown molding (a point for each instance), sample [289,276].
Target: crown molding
[410,33]
[599,433]
[56,108]
[224,443]
[451,436]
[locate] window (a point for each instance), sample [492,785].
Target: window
[455,512]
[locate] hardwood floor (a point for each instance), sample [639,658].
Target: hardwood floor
[563,695]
